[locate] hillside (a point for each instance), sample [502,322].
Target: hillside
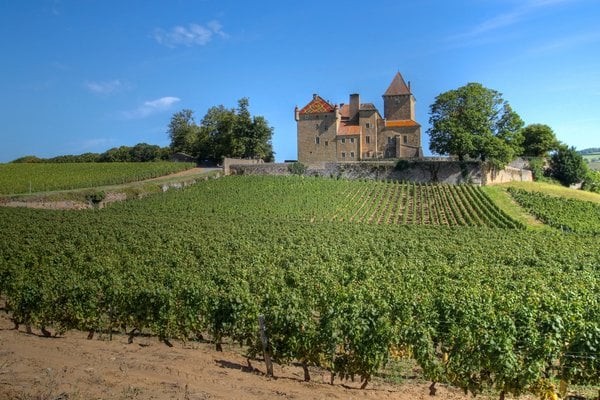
[342,286]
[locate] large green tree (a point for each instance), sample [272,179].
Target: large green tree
[224,132]
[538,140]
[567,166]
[183,132]
[474,121]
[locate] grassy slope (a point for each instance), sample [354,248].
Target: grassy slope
[504,201]
[131,190]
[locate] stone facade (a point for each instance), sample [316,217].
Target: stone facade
[357,131]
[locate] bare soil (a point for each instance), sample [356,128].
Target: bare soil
[72,367]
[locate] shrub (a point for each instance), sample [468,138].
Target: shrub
[297,168]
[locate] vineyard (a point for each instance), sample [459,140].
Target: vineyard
[368,202]
[568,215]
[348,276]
[35,177]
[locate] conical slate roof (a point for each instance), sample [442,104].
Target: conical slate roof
[397,87]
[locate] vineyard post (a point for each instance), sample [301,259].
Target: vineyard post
[265,346]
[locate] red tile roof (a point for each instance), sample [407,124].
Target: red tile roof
[401,123]
[397,87]
[349,129]
[317,105]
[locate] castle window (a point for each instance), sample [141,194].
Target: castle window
[367,139]
[343,140]
[327,143]
[343,154]
[368,125]
[405,139]
[351,140]
[317,140]
[351,154]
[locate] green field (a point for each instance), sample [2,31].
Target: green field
[39,177]
[346,276]
[594,160]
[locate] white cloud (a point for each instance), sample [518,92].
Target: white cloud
[192,35]
[106,87]
[151,107]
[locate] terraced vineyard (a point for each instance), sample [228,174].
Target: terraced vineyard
[348,275]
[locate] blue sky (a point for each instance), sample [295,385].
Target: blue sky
[79,76]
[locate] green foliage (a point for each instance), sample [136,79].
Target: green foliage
[41,177]
[592,182]
[476,307]
[538,140]
[222,133]
[538,168]
[473,121]
[141,152]
[565,214]
[96,196]
[297,168]
[567,166]
[402,165]
[183,132]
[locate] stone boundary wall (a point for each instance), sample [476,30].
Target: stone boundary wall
[446,171]
[228,162]
[508,174]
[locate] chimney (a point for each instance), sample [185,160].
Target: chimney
[354,105]
[296,114]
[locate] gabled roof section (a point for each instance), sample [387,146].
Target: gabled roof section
[350,130]
[397,87]
[401,123]
[317,105]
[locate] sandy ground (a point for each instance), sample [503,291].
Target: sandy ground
[72,367]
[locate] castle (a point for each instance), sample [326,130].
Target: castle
[355,131]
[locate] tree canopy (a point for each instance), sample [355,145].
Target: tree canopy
[567,166]
[474,121]
[538,140]
[223,132]
[141,152]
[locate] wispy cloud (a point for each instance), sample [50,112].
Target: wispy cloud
[567,43]
[105,87]
[151,107]
[192,35]
[509,18]
[55,9]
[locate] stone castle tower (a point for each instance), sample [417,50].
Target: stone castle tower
[357,131]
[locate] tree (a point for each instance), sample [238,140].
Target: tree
[475,121]
[224,132]
[183,132]
[567,166]
[538,140]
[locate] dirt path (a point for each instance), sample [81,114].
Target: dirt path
[72,367]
